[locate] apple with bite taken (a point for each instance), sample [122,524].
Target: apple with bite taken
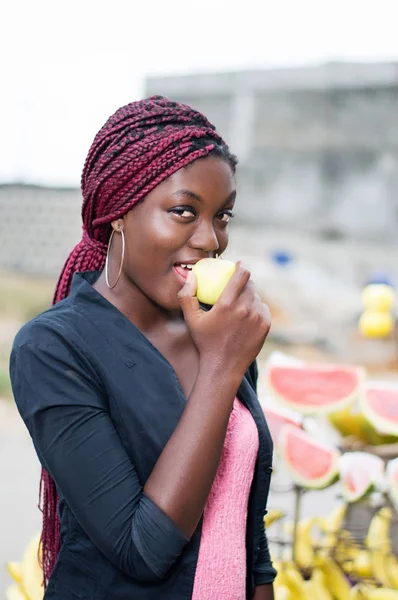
[212,275]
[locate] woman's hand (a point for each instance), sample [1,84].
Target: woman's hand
[234,330]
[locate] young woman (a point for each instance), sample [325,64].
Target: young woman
[141,405]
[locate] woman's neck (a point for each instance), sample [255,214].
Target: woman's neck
[137,307]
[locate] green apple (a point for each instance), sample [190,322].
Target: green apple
[212,275]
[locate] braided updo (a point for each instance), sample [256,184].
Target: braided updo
[139,146]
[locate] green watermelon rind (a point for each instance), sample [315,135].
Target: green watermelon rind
[331,475]
[392,485]
[382,425]
[316,410]
[372,485]
[351,498]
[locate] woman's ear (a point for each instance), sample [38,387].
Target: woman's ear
[117,225]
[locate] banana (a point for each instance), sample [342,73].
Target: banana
[281,579]
[334,578]
[392,566]
[379,530]
[304,544]
[358,593]
[346,550]
[272,516]
[283,593]
[331,525]
[31,572]
[14,569]
[13,592]
[382,594]
[362,564]
[318,578]
[379,544]
[295,582]
[311,590]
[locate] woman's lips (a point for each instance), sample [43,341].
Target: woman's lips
[181,272]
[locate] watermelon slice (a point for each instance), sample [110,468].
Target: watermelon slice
[350,421]
[277,417]
[310,464]
[392,480]
[379,404]
[360,474]
[315,388]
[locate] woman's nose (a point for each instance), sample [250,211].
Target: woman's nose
[205,238]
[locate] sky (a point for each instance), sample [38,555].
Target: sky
[65,67]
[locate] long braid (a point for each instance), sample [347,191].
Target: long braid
[139,146]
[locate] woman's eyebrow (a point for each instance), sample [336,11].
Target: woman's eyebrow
[195,196]
[188,193]
[231,198]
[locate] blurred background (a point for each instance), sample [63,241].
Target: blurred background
[306,94]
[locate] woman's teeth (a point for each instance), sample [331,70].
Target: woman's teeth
[186,266]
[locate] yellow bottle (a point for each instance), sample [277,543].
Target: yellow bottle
[375,324]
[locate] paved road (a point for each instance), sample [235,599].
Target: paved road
[19,476]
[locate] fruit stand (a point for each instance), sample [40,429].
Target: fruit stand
[331,426]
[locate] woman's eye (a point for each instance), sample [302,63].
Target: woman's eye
[226,216]
[185,212]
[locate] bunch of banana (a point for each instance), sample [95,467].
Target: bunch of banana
[289,583]
[304,543]
[334,538]
[27,575]
[361,592]
[334,578]
[316,587]
[384,564]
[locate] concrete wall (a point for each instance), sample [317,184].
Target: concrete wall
[318,146]
[38,227]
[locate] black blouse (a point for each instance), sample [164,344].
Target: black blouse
[100,403]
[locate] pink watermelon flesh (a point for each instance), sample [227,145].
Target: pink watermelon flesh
[314,388]
[356,482]
[276,420]
[350,483]
[384,403]
[312,462]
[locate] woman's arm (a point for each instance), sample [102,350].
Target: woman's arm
[182,477]
[228,338]
[264,592]
[65,409]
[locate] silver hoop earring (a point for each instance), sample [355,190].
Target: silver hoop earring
[107,260]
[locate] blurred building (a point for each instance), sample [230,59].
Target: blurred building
[318,146]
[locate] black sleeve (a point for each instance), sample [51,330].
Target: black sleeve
[65,410]
[263,570]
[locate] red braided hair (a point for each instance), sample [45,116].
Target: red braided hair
[139,146]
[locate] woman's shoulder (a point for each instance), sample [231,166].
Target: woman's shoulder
[56,325]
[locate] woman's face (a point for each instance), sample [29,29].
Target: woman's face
[183,220]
